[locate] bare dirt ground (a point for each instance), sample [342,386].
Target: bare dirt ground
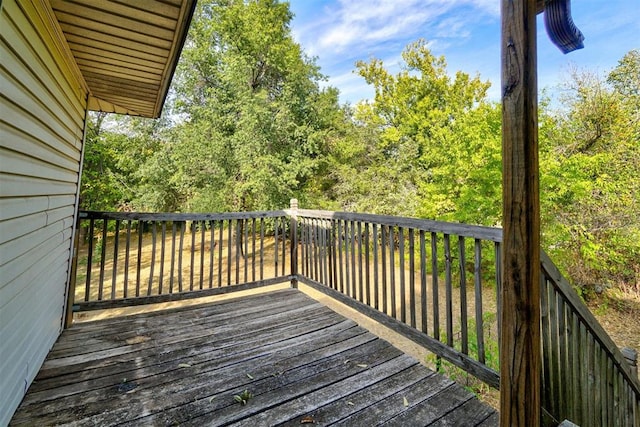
[619,314]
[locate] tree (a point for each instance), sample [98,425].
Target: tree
[432,143]
[255,124]
[590,163]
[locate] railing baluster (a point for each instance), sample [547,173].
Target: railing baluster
[309,249]
[383,263]
[604,389]
[220,246]
[139,259]
[302,229]
[126,260]
[87,285]
[554,366]
[183,229]
[412,278]
[597,364]
[114,271]
[584,377]
[590,379]
[334,253]
[246,249]
[367,263]
[360,278]
[253,249]
[448,288]
[403,303]
[261,248]
[547,314]
[464,332]
[352,253]
[478,288]
[162,253]
[229,259]
[498,271]
[103,257]
[376,291]
[574,351]
[153,256]
[423,284]
[347,250]
[434,285]
[326,234]
[340,263]
[284,247]
[392,272]
[172,270]
[562,354]
[202,238]
[192,253]
[212,249]
[320,243]
[314,248]
[238,246]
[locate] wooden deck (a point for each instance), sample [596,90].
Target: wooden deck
[302,363]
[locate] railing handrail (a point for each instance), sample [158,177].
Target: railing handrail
[158,216]
[578,307]
[473,231]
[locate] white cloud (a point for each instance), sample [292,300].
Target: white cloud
[343,31]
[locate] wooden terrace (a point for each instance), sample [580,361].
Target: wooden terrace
[302,363]
[435,283]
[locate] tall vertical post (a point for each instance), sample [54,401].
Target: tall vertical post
[293,211]
[70,290]
[520,358]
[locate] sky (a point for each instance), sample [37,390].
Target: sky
[466,32]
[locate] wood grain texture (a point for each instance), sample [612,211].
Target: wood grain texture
[299,360]
[520,361]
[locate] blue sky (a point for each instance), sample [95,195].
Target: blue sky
[466,32]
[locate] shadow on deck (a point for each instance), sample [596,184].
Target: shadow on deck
[302,362]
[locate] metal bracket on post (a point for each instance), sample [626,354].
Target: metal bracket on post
[293,210]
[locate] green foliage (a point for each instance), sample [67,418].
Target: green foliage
[243,398]
[256,125]
[428,144]
[590,192]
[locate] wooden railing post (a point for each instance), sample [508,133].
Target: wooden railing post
[631,356]
[294,242]
[520,349]
[71,287]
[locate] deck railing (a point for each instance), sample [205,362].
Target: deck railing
[140,258]
[586,379]
[436,283]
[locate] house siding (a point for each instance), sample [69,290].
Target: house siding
[42,110]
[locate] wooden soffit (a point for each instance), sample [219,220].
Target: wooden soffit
[127,51]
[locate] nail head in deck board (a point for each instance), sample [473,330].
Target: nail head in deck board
[309,356]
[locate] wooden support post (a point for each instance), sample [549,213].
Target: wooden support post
[520,358]
[71,288]
[294,242]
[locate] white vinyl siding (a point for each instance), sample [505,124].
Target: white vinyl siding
[42,104]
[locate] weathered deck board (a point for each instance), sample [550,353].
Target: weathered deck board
[301,361]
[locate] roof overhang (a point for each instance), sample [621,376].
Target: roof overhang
[126,51]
